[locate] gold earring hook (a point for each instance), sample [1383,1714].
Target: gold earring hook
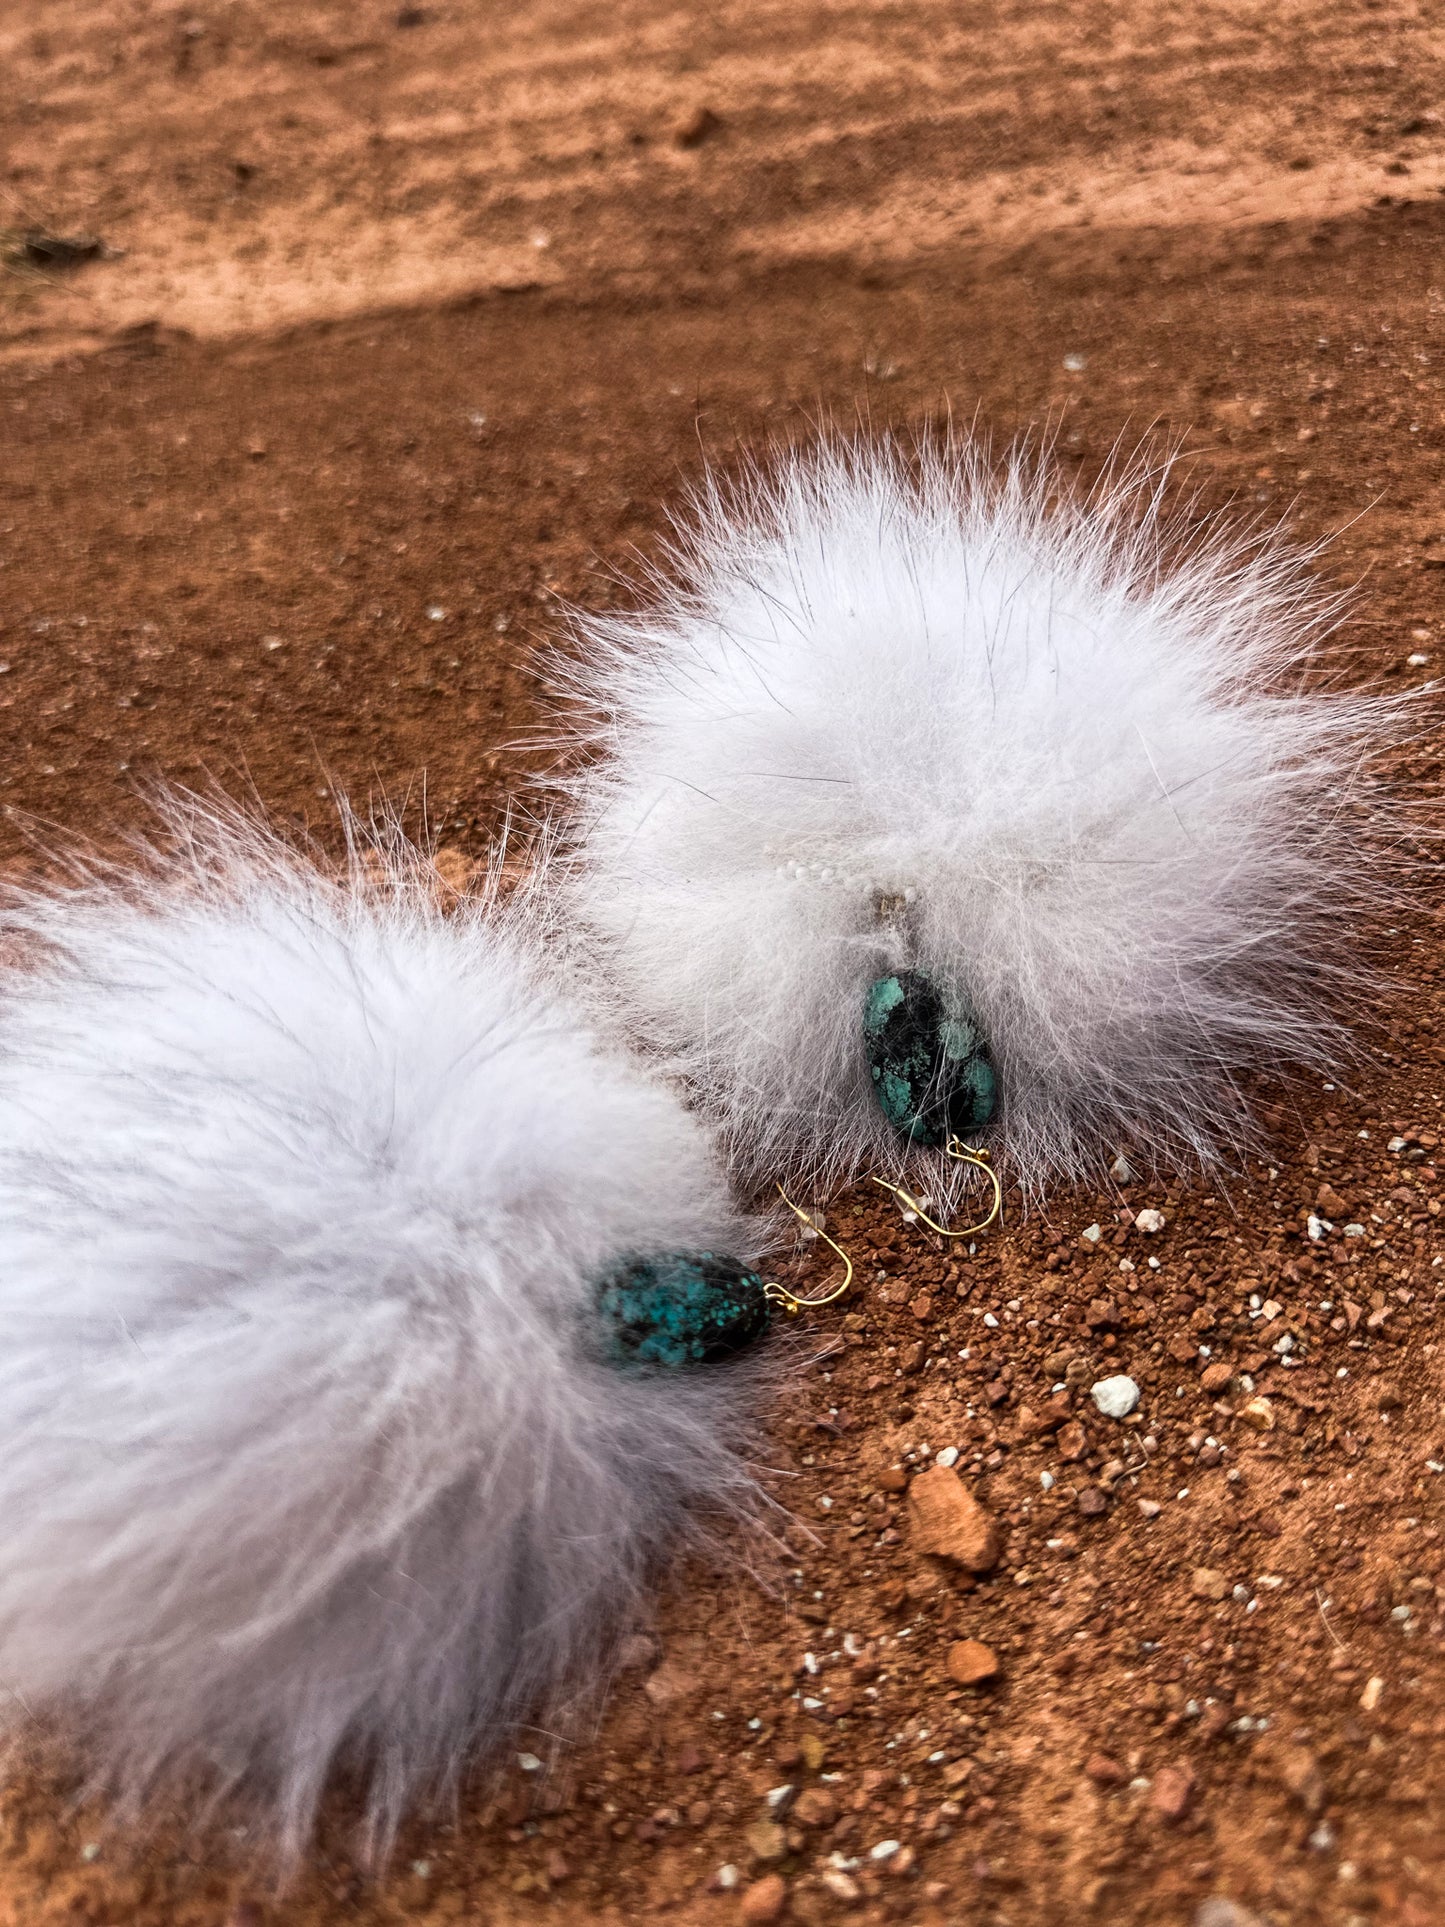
[961,1154]
[790,1301]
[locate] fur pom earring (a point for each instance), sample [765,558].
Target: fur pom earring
[933,804]
[346,1284]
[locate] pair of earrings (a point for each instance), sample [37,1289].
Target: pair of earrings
[932,1079]
[926,801]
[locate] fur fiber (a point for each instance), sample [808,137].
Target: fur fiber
[1091,750]
[305,1457]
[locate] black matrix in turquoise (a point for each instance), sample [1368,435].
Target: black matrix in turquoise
[932,1072]
[679,1311]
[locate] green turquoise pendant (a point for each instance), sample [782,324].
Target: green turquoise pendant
[932,1072]
[678,1311]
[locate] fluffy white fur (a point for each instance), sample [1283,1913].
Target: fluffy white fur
[305,1457]
[1096,756]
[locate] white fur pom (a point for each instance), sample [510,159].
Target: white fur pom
[308,1453]
[894,711]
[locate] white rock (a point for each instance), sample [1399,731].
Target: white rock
[1115,1397]
[885,1850]
[948,1456]
[1149,1220]
[1317,1227]
[1121,1170]
[1092,1233]
[1219,1912]
[842,1884]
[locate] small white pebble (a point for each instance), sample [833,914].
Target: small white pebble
[1075,364]
[1115,1397]
[529,1763]
[1149,1221]
[948,1456]
[885,1850]
[1093,1233]
[727,1878]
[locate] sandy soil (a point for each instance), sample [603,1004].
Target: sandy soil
[405,331]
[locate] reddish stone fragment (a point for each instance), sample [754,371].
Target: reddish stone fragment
[949,1522]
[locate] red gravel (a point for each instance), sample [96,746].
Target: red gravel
[218,550]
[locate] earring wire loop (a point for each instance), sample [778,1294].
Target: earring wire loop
[961,1154]
[791,1303]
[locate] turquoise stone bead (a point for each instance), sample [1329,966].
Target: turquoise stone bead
[678,1311]
[931,1069]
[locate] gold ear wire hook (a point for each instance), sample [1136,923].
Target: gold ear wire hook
[961,1154]
[790,1302]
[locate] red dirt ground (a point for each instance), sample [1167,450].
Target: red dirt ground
[398,319]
